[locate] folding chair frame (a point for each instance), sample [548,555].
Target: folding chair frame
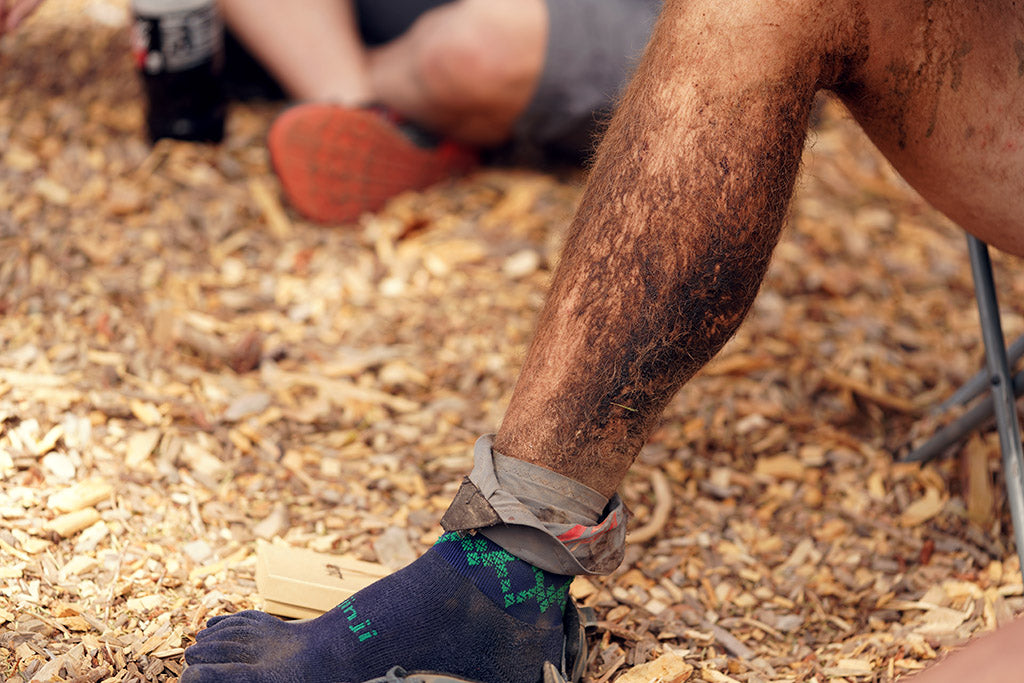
[1001,401]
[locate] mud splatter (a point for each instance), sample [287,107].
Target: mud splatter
[902,81]
[912,82]
[956,64]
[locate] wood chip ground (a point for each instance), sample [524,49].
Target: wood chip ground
[186,368]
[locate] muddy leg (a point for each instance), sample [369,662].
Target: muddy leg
[676,227]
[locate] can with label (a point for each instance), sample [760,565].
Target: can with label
[179,51]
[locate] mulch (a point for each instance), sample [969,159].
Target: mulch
[187,367]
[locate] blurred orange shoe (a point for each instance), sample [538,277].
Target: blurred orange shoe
[336,162]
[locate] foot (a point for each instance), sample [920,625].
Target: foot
[466,607]
[336,162]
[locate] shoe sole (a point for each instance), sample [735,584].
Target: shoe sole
[336,163]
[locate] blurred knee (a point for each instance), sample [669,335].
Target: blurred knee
[480,53]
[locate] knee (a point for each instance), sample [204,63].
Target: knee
[820,38]
[472,54]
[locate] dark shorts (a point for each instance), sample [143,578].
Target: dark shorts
[381,21]
[593,46]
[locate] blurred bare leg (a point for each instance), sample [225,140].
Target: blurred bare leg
[312,47]
[466,69]
[994,658]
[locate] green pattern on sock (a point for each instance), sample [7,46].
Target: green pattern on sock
[545,595]
[545,590]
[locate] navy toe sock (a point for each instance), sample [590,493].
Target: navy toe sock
[466,607]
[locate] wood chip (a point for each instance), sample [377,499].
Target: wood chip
[923,509]
[713,676]
[71,523]
[277,220]
[780,467]
[850,667]
[140,446]
[81,495]
[147,413]
[668,668]
[662,510]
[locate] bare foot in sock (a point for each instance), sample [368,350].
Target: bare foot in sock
[467,607]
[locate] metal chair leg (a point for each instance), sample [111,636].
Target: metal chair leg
[977,417]
[1001,383]
[955,432]
[979,382]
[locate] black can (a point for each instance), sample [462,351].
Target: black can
[179,51]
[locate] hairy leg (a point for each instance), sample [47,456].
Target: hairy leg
[676,227]
[942,95]
[313,48]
